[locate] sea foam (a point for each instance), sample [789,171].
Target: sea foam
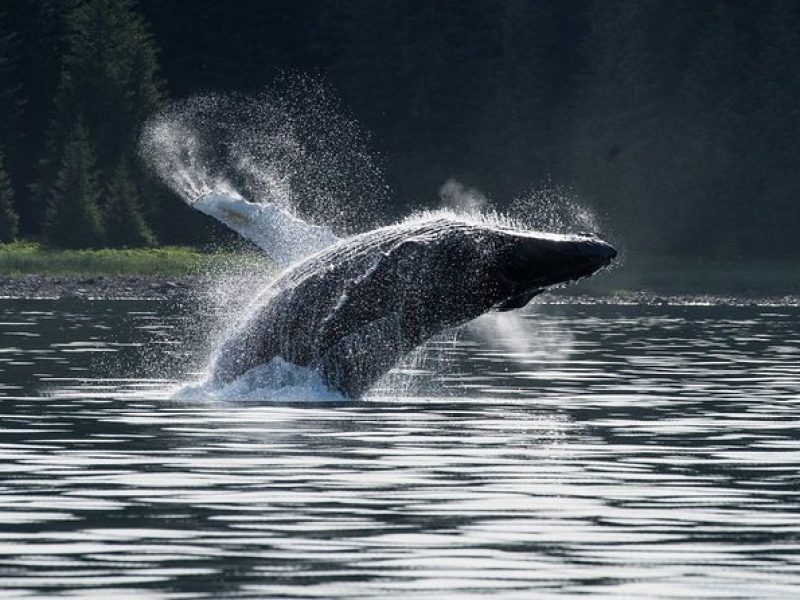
[276,381]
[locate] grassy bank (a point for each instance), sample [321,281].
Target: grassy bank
[23,258]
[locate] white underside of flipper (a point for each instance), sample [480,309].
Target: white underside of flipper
[284,237]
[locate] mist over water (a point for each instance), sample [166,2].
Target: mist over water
[461,198]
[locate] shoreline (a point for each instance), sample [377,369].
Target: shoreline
[102,287]
[157,287]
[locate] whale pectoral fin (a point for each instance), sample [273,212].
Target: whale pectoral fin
[518,301]
[282,235]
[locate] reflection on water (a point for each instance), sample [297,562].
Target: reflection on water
[655,452]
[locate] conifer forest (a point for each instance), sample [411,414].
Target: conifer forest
[677,121]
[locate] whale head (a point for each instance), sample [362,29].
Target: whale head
[472,268]
[503,268]
[527,263]
[531,260]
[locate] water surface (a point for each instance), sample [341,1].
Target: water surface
[619,451]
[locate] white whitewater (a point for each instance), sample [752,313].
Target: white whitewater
[277,381]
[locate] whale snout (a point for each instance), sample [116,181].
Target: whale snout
[598,252]
[582,258]
[536,263]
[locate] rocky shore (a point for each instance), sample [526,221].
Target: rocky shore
[148,287]
[144,287]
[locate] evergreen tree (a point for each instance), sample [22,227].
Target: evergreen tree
[32,59]
[10,98]
[8,216]
[11,104]
[73,217]
[123,218]
[109,76]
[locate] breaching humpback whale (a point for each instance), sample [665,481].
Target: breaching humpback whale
[351,310]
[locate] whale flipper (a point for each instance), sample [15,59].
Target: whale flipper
[519,301]
[284,237]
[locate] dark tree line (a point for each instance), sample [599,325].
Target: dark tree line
[72,142]
[678,120]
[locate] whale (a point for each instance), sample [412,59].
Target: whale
[353,307]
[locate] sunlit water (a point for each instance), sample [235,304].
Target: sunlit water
[628,451]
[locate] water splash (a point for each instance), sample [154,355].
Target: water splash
[296,158]
[291,146]
[545,208]
[555,208]
[489,218]
[419,373]
[276,381]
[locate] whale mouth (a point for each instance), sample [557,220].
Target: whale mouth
[596,254]
[534,265]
